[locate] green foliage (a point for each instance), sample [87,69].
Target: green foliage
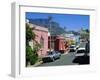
[84,34]
[29,34]
[33,59]
[31,54]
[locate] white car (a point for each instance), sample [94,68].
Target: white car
[72,48]
[80,52]
[77,46]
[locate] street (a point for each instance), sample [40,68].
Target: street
[65,59]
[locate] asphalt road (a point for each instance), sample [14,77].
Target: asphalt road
[65,59]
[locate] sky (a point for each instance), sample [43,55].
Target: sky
[69,21]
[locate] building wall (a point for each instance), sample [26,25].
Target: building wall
[44,35]
[59,43]
[41,32]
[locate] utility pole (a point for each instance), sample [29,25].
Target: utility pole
[50,20]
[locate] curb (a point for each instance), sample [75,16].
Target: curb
[66,52]
[38,63]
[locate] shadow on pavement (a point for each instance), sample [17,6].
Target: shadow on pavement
[82,60]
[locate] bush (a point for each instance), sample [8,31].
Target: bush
[33,59]
[31,56]
[29,53]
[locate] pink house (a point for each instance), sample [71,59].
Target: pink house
[42,38]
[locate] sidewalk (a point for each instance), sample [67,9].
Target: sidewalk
[66,52]
[36,64]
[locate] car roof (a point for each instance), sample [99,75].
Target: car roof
[72,45]
[81,48]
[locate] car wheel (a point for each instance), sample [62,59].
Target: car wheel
[53,59]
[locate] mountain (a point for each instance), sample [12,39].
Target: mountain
[74,32]
[53,27]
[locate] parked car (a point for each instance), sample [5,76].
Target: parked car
[52,55]
[81,57]
[80,52]
[77,46]
[72,48]
[57,54]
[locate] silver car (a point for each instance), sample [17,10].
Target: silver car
[52,55]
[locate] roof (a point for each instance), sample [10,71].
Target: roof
[41,28]
[59,37]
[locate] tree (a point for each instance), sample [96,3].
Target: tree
[84,34]
[31,54]
[29,34]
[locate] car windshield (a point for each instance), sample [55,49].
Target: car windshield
[56,52]
[50,53]
[81,51]
[72,46]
